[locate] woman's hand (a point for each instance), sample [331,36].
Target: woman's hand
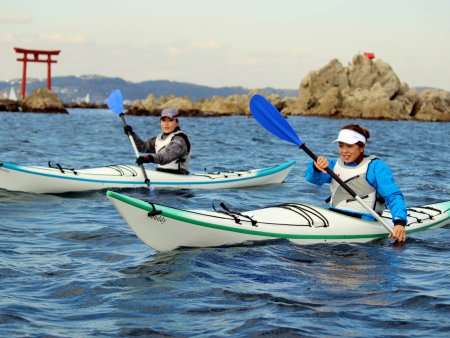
[145,159]
[399,233]
[321,164]
[127,129]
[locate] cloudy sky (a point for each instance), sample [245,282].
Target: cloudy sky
[250,43]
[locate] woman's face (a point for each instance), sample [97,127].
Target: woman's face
[350,152]
[168,125]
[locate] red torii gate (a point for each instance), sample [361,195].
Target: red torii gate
[35,58]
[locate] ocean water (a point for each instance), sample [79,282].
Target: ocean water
[71,267]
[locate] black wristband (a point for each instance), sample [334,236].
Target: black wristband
[400,222]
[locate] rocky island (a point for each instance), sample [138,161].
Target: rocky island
[40,101]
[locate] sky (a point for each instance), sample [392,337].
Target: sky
[249,43]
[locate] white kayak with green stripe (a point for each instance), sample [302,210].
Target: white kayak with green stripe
[55,179]
[165,228]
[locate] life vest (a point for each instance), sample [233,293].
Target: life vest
[180,165]
[356,179]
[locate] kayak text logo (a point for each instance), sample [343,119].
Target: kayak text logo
[158,218]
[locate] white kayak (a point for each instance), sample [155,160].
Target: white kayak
[55,179]
[164,228]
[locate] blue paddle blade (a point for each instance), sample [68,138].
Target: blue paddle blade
[115,102]
[270,118]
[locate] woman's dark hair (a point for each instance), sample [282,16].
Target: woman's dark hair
[356,127]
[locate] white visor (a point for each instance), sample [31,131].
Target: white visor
[350,137]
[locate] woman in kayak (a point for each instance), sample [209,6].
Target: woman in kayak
[369,177]
[170,150]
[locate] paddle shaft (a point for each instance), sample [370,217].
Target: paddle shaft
[147,181]
[348,189]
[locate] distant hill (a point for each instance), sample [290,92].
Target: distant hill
[421,89]
[75,89]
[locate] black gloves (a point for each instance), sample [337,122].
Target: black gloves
[145,159]
[127,129]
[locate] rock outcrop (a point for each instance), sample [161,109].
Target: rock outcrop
[432,105]
[215,106]
[366,89]
[10,106]
[43,100]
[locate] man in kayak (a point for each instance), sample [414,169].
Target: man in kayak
[170,150]
[368,176]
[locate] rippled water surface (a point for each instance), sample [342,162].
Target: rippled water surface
[70,266]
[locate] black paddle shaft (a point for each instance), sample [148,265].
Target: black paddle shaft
[329,171]
[122,116]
